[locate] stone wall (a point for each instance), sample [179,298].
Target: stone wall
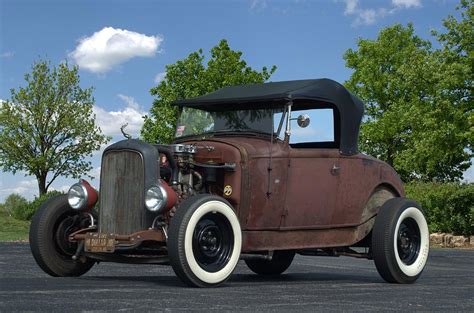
[451,241]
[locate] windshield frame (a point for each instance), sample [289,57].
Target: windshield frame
[236,132]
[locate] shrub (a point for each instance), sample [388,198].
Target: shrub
[449,207]
[13,204]
[26,212]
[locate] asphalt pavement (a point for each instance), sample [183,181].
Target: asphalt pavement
[310,284]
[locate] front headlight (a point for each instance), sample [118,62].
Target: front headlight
[82,196]
[156,198]
[77,196]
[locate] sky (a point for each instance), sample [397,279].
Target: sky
[122,47]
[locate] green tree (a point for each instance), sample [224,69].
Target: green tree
[458,51]
[13,203]
[412,121]
[190,77]
[48,127]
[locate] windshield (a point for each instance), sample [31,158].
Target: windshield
[195,122]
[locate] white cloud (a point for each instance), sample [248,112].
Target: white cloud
[351,6]
[7,54]
[275,6]
[110,47]
[363,16]
[27,188]
[130,101]
[63,188]
[407,3]
[369,16]
[366,17]
[258,5]
[160,77]
[111,121]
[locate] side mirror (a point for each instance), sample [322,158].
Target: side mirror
[303,120]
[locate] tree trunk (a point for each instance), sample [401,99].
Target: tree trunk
[389,156]
[42,184]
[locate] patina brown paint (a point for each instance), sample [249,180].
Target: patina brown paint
[317,197]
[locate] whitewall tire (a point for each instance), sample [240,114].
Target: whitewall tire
[204,241]
[400,241]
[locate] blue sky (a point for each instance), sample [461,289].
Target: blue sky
[122,47]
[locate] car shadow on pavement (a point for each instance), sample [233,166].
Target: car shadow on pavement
[169,281]
[296,278]
[242,279]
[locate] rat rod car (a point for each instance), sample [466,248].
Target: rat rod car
[236,184]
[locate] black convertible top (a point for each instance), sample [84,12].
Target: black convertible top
[303,93]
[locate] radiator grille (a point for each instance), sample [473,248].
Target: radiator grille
[121,192]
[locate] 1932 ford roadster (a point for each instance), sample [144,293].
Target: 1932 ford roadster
[235,184]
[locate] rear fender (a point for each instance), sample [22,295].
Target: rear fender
[379,196]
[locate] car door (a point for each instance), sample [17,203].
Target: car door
[267,168]
[311,188]
[313,173]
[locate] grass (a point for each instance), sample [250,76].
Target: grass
[12,229]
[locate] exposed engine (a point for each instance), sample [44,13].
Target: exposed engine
[187,176]
[190,181]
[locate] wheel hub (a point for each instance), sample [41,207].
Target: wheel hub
[408,241]
[405,241]
[209,240]
[212,242]
[68,225]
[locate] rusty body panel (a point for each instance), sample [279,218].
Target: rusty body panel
[360,175]
[310,173]
[330,237]
[215,151]
[250,181]
[310,198]
[295,198]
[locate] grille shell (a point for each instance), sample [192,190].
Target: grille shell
[122,185]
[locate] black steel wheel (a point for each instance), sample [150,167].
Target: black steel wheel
[408,241]
[50,228]
[279,263]
[400,241]
[204,241]
[213,241]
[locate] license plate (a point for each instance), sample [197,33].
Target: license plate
[96,242]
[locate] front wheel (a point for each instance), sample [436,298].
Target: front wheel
[400,241]
[50,228]
[204,241]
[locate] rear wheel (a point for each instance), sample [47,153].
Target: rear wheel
[50,228]
[400,241]
[279,263]
[204,241]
